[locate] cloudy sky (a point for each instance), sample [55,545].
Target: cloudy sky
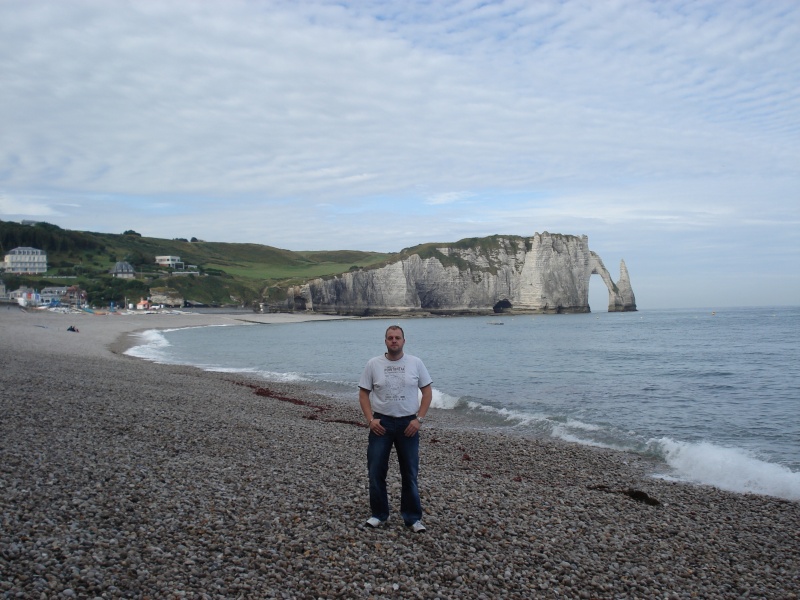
[668,132]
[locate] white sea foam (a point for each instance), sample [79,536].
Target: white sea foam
[563,433]
[266,375]
[283,377]
[154,344]
[523,418]
[508,414]
[575,424]
[152,347]
[442,400]
[731,469]
[575,432]
[199,327]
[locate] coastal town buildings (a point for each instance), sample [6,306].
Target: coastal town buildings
[26,261]
[72,296]
[25,296]
[53,294]
[75,297]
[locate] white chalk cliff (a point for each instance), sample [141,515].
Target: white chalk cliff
[546,273]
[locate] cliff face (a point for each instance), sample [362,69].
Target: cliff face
[547,273]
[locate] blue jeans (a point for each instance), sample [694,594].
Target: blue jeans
[378,451]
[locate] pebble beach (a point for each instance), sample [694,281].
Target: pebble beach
[121,478]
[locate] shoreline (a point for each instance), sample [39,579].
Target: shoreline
[121,477]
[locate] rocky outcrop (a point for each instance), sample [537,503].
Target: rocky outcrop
[166,297]
[546,273]
[620,294]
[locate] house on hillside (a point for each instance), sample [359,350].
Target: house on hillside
[173,262]
[26,261]
[123,270]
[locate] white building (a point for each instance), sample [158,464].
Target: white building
[25,260]
[173,262]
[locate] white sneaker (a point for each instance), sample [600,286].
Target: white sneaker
[418,527]
[374,522]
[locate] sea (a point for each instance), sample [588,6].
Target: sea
[712,395]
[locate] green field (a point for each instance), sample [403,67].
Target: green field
[230,273]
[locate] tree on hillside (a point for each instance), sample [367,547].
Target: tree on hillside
[44,236]
[138,259]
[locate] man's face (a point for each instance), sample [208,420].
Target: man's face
[394,341]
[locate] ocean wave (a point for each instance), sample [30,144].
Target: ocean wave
[152,346]
[443,400]
[273,376]
[216,369]
[283,377]
[564,434]
[730,469]
[198,327]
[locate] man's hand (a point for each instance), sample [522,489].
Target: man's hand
[413,428]
[376,427]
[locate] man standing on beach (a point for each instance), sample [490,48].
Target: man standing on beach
[391,405]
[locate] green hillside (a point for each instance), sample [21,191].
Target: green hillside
[228,273]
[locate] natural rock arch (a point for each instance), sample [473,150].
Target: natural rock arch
[620,295]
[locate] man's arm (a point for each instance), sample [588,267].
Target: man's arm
[366,408]
[424,405]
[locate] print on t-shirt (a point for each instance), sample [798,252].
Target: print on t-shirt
[395,383]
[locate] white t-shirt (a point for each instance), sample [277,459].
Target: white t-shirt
[394,384]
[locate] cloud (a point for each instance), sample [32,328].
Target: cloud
[448,197]
[382,125]
[13,205]
[224,97]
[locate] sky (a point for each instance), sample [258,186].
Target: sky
[668,132]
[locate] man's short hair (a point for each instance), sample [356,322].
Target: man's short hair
[390,327]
